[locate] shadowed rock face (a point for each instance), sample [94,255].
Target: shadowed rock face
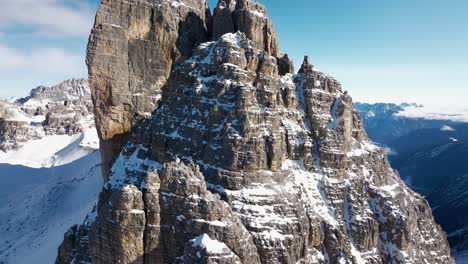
[248,17]
[243,162]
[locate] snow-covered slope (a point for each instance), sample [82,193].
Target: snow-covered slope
[46,186]
[53,150]
[50,169]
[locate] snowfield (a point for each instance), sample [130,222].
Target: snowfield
[46,186]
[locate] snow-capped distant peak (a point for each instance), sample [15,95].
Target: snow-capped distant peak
[63,109]
[446,128]
[370,114]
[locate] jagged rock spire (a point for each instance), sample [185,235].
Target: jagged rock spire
[249,17]
[306,66]
[285,65]
[223,19]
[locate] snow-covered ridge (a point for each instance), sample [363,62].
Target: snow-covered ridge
[69,90]
[46,186]
[52,150]
[208,244]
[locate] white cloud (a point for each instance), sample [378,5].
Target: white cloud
[390,152]
[47,17]
[44,60]
[456,114]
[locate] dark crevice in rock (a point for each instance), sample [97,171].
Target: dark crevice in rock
[145,230]
[266,43]
[110,150]
[268,152]
[285,65]
[192,32]
[288,145]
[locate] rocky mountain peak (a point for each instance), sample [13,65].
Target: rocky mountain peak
[306,66]
[65,108]
[238,160]
[68,90]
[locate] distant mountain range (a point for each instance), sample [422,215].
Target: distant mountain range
[431,157]
[384,122]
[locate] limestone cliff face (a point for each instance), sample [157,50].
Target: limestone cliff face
[243,161]
[132,49]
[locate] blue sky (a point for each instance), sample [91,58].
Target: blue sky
[389,51]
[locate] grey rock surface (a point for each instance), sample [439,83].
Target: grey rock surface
[243,162]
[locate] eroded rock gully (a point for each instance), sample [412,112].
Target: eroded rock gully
[224,155]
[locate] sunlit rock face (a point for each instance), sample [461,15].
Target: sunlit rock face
[242,161]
